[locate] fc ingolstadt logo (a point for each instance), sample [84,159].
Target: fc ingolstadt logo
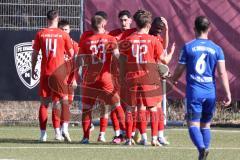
[23,62]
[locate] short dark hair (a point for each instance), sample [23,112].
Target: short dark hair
[95,21]
[157,22]
[124,13]
[202,24]
[63,22]
[102,14]
[142,18]
[52,14]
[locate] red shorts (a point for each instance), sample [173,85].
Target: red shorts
[102,90]
[52,87]
[141,95]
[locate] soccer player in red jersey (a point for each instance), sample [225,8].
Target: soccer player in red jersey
[97,78]
[57,123]
[84,36]
[65,26]
[53,43]
[89,33]
[125,21]
[117,115]
[159,29]
[141,82]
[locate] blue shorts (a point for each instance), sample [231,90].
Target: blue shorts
[200,109]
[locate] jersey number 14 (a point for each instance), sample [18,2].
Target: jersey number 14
[51,46]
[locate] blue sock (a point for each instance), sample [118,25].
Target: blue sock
[196,137]
[206,133]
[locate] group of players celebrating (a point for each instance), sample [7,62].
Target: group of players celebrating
[119,71]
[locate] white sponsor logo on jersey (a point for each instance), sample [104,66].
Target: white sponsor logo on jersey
[23,62]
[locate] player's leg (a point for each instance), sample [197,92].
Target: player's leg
[86,122]
[135,129]
[89,96]
[154,125]
[117,115]
[129,124]
[207,115]
[142,121]
[43,117]
[65,118]
[103,123]
[194,112]
[162,140]
[56,112]
[115,122]
[45,94]
[66,101]
[119,124]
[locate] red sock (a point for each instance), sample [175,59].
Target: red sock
[65,114]
[134,122]
[142,121]
[114,119]
[43,116]
[154,122]
[103,124]
[56,117]
[121,117]
[129,124]
[86,122]
[160,120]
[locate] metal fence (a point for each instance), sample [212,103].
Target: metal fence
[30,14]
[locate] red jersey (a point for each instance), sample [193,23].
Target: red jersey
[117,33]
[70,62]
[86,35]
[53,42]
[159,38]
[143,50]
[127,33]
[100,47]
[75,48]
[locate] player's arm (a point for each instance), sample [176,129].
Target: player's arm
[224,80]
[36,49]
[116,53]
[181,66]
[178,72]
[34,60]
[122,65]
[167,57]
[165,33]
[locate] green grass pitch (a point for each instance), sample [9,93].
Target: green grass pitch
[21,143]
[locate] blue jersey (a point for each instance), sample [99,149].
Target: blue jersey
[201,57]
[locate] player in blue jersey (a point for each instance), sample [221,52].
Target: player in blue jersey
[200,58]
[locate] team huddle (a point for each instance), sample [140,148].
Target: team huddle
[119,70]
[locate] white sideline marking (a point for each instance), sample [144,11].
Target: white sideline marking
[110,147]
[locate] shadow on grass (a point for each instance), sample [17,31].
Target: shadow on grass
[31,141]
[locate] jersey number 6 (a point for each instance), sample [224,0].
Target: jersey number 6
[201,64]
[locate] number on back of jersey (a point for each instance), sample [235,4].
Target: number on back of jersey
[201,64]
[51,46]
[138,51]
[98,53]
